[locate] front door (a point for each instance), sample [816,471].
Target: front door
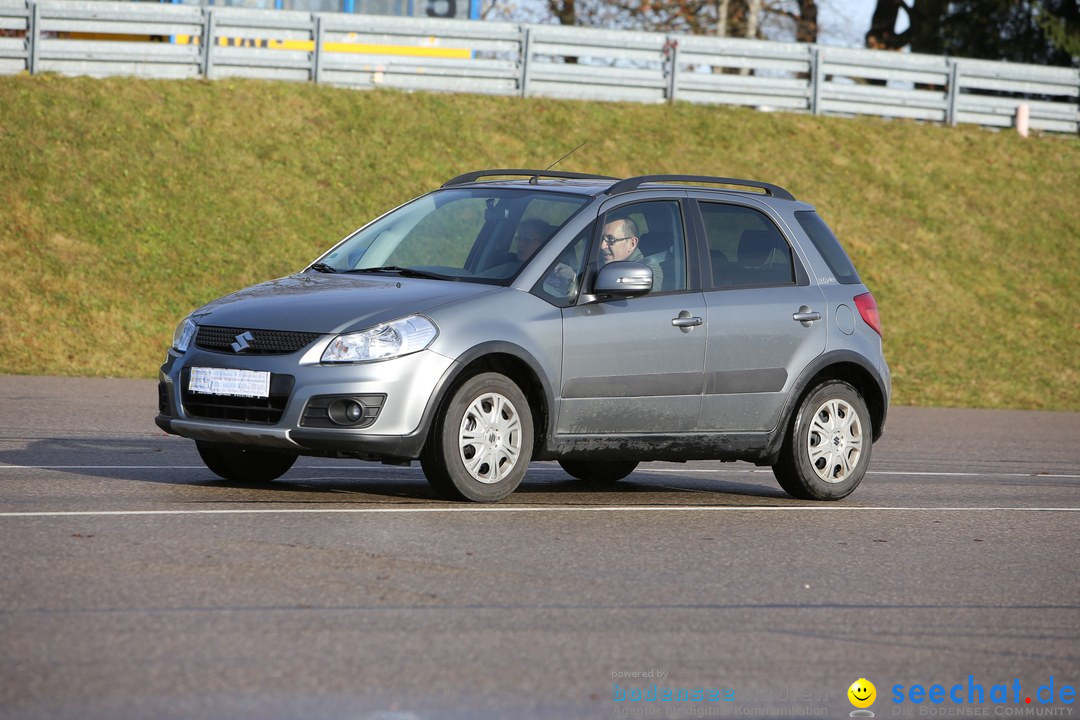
[627,369]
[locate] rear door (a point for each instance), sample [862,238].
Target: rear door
[766,321]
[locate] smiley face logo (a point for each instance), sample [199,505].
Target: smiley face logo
[862,693]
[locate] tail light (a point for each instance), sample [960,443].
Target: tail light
[868,310]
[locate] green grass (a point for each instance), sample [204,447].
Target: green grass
[126,203]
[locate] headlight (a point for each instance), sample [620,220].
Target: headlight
[182,337]
[382,342]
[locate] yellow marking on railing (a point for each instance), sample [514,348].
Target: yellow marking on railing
[434,52]
[430,51]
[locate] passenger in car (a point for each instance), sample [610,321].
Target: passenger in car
[620,242]
[531,235]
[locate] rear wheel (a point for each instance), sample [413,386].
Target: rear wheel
[481,446]
[245,465]
[827,449]
[599,471]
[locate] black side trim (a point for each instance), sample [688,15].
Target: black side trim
[633,385]
[733,382]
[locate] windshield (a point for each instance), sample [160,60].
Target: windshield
[472,234]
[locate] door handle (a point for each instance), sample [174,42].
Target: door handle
[806,315]
[686,321]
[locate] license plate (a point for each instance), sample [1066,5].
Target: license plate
[220,381]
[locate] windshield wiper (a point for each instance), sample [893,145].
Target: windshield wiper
[402,271]
[323,267]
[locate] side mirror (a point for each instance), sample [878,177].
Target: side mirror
[623,278]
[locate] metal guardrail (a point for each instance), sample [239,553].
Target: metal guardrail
[99,38]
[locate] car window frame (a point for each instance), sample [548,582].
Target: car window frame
[828,247]
[538,288]
[592,267]
[802,277]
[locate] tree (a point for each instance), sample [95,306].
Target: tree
[1014,30]
[725,18]
[564,10]
[1063,35]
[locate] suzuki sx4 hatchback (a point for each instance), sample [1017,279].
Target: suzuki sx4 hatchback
[518,315]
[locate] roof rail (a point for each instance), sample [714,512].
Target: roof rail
[534,176]
[635,182]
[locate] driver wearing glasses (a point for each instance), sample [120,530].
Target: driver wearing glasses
[620,242]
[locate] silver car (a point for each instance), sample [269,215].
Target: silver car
[518,315]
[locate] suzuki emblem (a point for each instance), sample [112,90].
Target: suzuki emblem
[243,341]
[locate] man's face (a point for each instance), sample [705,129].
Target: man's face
[617,243]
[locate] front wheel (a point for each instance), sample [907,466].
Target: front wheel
[827,449]
[481,446]
[244,465]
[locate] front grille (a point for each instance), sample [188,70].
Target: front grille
[262,342]
[262,411]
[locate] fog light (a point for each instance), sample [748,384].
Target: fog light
[346,411]
[353,411]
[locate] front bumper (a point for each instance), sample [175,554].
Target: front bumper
[409,383]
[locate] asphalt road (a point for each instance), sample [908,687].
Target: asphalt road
[135,584]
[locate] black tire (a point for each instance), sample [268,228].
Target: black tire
[827,448]
[492,467]
[599,471]
[245,465]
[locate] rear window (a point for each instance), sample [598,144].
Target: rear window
[829,247]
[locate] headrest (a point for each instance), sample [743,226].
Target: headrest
[756,246]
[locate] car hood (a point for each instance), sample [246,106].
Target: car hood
[331,303]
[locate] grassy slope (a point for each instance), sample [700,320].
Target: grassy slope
[125,203]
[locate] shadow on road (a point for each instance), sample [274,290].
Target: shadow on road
[166,460]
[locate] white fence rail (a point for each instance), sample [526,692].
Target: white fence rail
[92,37]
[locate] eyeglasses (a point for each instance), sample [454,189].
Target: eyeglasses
[611,239]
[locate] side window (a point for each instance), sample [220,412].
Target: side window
[745,247]
[650,233]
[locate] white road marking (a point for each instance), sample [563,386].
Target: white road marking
[674,471]
[530,509]
[919,473]
[203,467]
